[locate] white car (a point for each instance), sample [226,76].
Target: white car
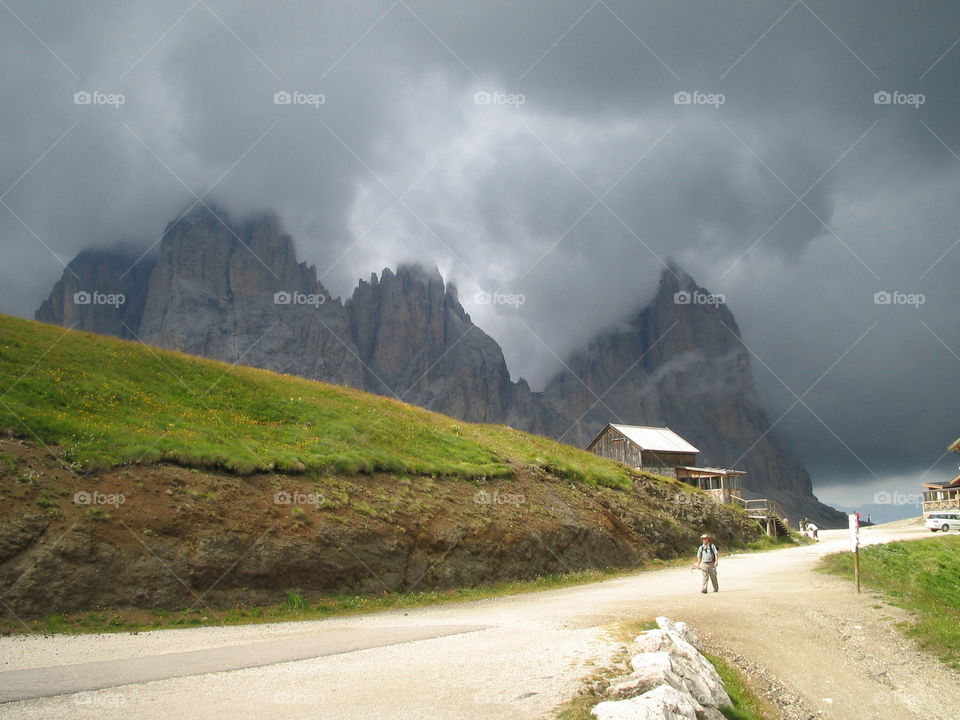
[943,521]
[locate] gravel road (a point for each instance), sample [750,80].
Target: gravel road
[820,651]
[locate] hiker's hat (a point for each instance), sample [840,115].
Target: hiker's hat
[706,536]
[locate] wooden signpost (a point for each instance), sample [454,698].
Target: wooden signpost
[855,546]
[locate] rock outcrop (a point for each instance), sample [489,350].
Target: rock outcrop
[236,292]
[669,678]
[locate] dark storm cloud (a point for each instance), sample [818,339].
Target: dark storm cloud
[536,150]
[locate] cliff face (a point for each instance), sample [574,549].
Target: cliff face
[235,292]
[101,291]
[417,343]
[238,294]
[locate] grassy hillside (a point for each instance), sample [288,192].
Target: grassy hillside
[106,402]
[921,576]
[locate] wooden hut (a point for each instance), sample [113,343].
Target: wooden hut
[660,450]
[657,449]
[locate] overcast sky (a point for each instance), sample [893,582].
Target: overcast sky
[542,149]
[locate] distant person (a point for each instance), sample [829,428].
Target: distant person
[707,560]
[813,530]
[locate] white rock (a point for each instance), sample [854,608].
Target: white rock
[672,642]
[662,703]
[650,670]
[669,666]
[682,629]
[695,676]
[653,641]
[703,683]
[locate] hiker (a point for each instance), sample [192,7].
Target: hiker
[813,530]
[707,560]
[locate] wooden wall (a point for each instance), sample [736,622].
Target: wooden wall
[615,446]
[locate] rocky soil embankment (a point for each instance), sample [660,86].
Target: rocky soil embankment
[164,536]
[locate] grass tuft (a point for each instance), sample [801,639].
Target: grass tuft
[746,704]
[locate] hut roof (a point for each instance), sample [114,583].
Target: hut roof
[655,439]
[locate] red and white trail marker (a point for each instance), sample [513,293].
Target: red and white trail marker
[855,546]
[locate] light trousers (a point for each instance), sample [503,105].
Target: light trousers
[709,571]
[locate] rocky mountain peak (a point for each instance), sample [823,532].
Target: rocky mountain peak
[419,273]
[236,292]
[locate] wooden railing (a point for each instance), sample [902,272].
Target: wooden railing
[948,504]
[769,511]
[761,508]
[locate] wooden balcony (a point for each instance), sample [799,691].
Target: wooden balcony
[941,498]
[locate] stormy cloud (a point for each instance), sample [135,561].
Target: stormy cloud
[800,158]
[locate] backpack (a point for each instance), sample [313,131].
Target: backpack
[703,551]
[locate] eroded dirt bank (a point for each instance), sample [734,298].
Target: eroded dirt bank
[164,536]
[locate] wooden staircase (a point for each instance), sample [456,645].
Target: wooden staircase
[768,513]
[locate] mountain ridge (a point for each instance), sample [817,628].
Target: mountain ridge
[236,292]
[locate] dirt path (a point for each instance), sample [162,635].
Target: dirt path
[838,655]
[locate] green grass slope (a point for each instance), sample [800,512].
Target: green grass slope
[106,402]
[921,576]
